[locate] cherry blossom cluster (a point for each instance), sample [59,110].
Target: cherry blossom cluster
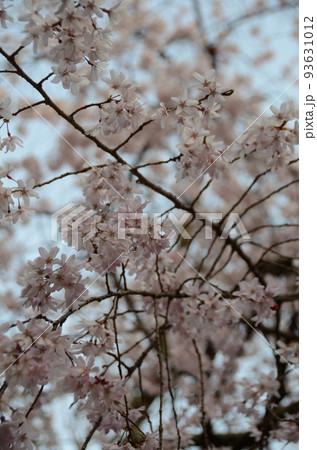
[146,269]
[200,151]
[151,350]
[22,192]
[17,432]
[124,110]
[94,337]
[100,394]
[9,143]
[253,398]
[111,194]
[38,355]
[272,137]
[135,439]
[34,356]
[289,351]
[47,275]
[30,358]
[77,34]
[260,298]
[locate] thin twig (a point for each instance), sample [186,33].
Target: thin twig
[91,433]
[34,402]
[202,394]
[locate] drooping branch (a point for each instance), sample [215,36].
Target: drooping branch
[240,441]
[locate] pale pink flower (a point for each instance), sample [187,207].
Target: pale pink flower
[161,113]
[209,85]
[287,111]
[93,7]
[10,143]
[251,290]
[5,170]
[4,16]
[117,81]
[4,110]
[114,13]
[5,198]
[25,191]
[193,134]
[21,214]
[184,104]
[289,351]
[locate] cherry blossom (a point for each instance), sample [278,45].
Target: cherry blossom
[184,103]
[4,110]
[5,198]
[261,298]
[151,331]
[10,143]
[272,136]
[208,84]
[25,191]
[161,113]
[4,16]
[46,275]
